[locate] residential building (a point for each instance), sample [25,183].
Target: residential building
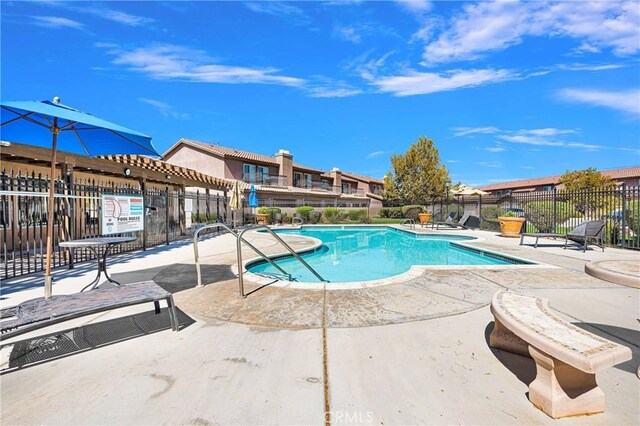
[630,176]
[278,180]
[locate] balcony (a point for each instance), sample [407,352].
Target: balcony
[351,191]
[314,185]
[264,179]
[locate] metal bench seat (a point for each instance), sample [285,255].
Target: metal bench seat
[38,313]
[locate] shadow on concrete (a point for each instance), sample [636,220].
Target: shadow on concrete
[42,349]
[180,277]
[522,367]
[60,273]
[623,336]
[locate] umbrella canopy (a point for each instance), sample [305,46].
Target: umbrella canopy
[253,197]
[467,190]
[234,202]
[52,124]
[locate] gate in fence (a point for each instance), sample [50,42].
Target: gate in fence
[77,214]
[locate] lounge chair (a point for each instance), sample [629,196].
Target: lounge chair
[467,221]
[592,230]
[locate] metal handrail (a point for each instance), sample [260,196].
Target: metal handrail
[410,222]
[251,246]
[281,241]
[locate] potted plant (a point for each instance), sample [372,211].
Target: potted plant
[424,216]
[510,225]
[262,216]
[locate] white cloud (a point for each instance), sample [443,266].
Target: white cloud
[421,83]
[495,149]
[463,131]
[165,109]
[347,33]
[332,92]
[375,154]
[492,26]
[169,62]
[280,9]
[415,6]
[120,17]
[490,164]
[626,101]
[56,22]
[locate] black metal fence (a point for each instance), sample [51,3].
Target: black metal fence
[557,211]
[169,213]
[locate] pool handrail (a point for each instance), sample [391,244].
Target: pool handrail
[251,246]
[281,241]
[410,222]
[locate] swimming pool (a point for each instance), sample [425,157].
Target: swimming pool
[349,254]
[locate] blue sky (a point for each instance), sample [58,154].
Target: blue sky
[507,90]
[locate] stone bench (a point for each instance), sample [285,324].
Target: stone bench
[38,313]
[567,357]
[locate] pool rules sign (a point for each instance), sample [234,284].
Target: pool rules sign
[122,213]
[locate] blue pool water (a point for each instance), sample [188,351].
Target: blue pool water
[370,253]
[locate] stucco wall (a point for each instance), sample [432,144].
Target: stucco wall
[189,157]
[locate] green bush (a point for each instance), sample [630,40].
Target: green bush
[492,212]
[540,214]
[412,211]
[202,218]
[359,215]
[391,212]
[304,211]
[286,218]
[271,211]
[332,215]
[314,216]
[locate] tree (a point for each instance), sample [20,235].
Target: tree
[417,176]
[588,189]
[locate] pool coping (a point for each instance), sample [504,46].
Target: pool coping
[414,272]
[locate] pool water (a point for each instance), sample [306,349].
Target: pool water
[369,253]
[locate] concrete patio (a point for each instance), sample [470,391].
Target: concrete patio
[415,352]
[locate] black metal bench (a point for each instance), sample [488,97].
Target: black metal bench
[38,313]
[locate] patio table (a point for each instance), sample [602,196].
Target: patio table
[101,247]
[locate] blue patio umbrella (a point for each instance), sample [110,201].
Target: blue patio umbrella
[52,124]
[253,197]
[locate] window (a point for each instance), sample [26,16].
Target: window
[547,188]
[302,180]
[255,174]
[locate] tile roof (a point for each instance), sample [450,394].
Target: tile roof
[628,172]
[367,179]
[223,151]
[306,168]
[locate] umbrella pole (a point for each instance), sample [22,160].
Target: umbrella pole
[48,280]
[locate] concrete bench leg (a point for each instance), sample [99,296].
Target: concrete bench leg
[502,338]
[560,390]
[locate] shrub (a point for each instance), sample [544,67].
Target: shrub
[286,218]
[271,211]
[540,214]
[314,216]
[391,212]
[492,212]
[304,211]
[412,211]
[332,215]
[359,215]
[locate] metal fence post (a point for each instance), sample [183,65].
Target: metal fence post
[623,225]
[555,209]
[143,190]
[166,215]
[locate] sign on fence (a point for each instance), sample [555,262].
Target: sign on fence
[122,213]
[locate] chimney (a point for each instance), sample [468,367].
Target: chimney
[285,165]
[336,174]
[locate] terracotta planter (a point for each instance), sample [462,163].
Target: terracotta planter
[510,226]
[263,219]
[424,217]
